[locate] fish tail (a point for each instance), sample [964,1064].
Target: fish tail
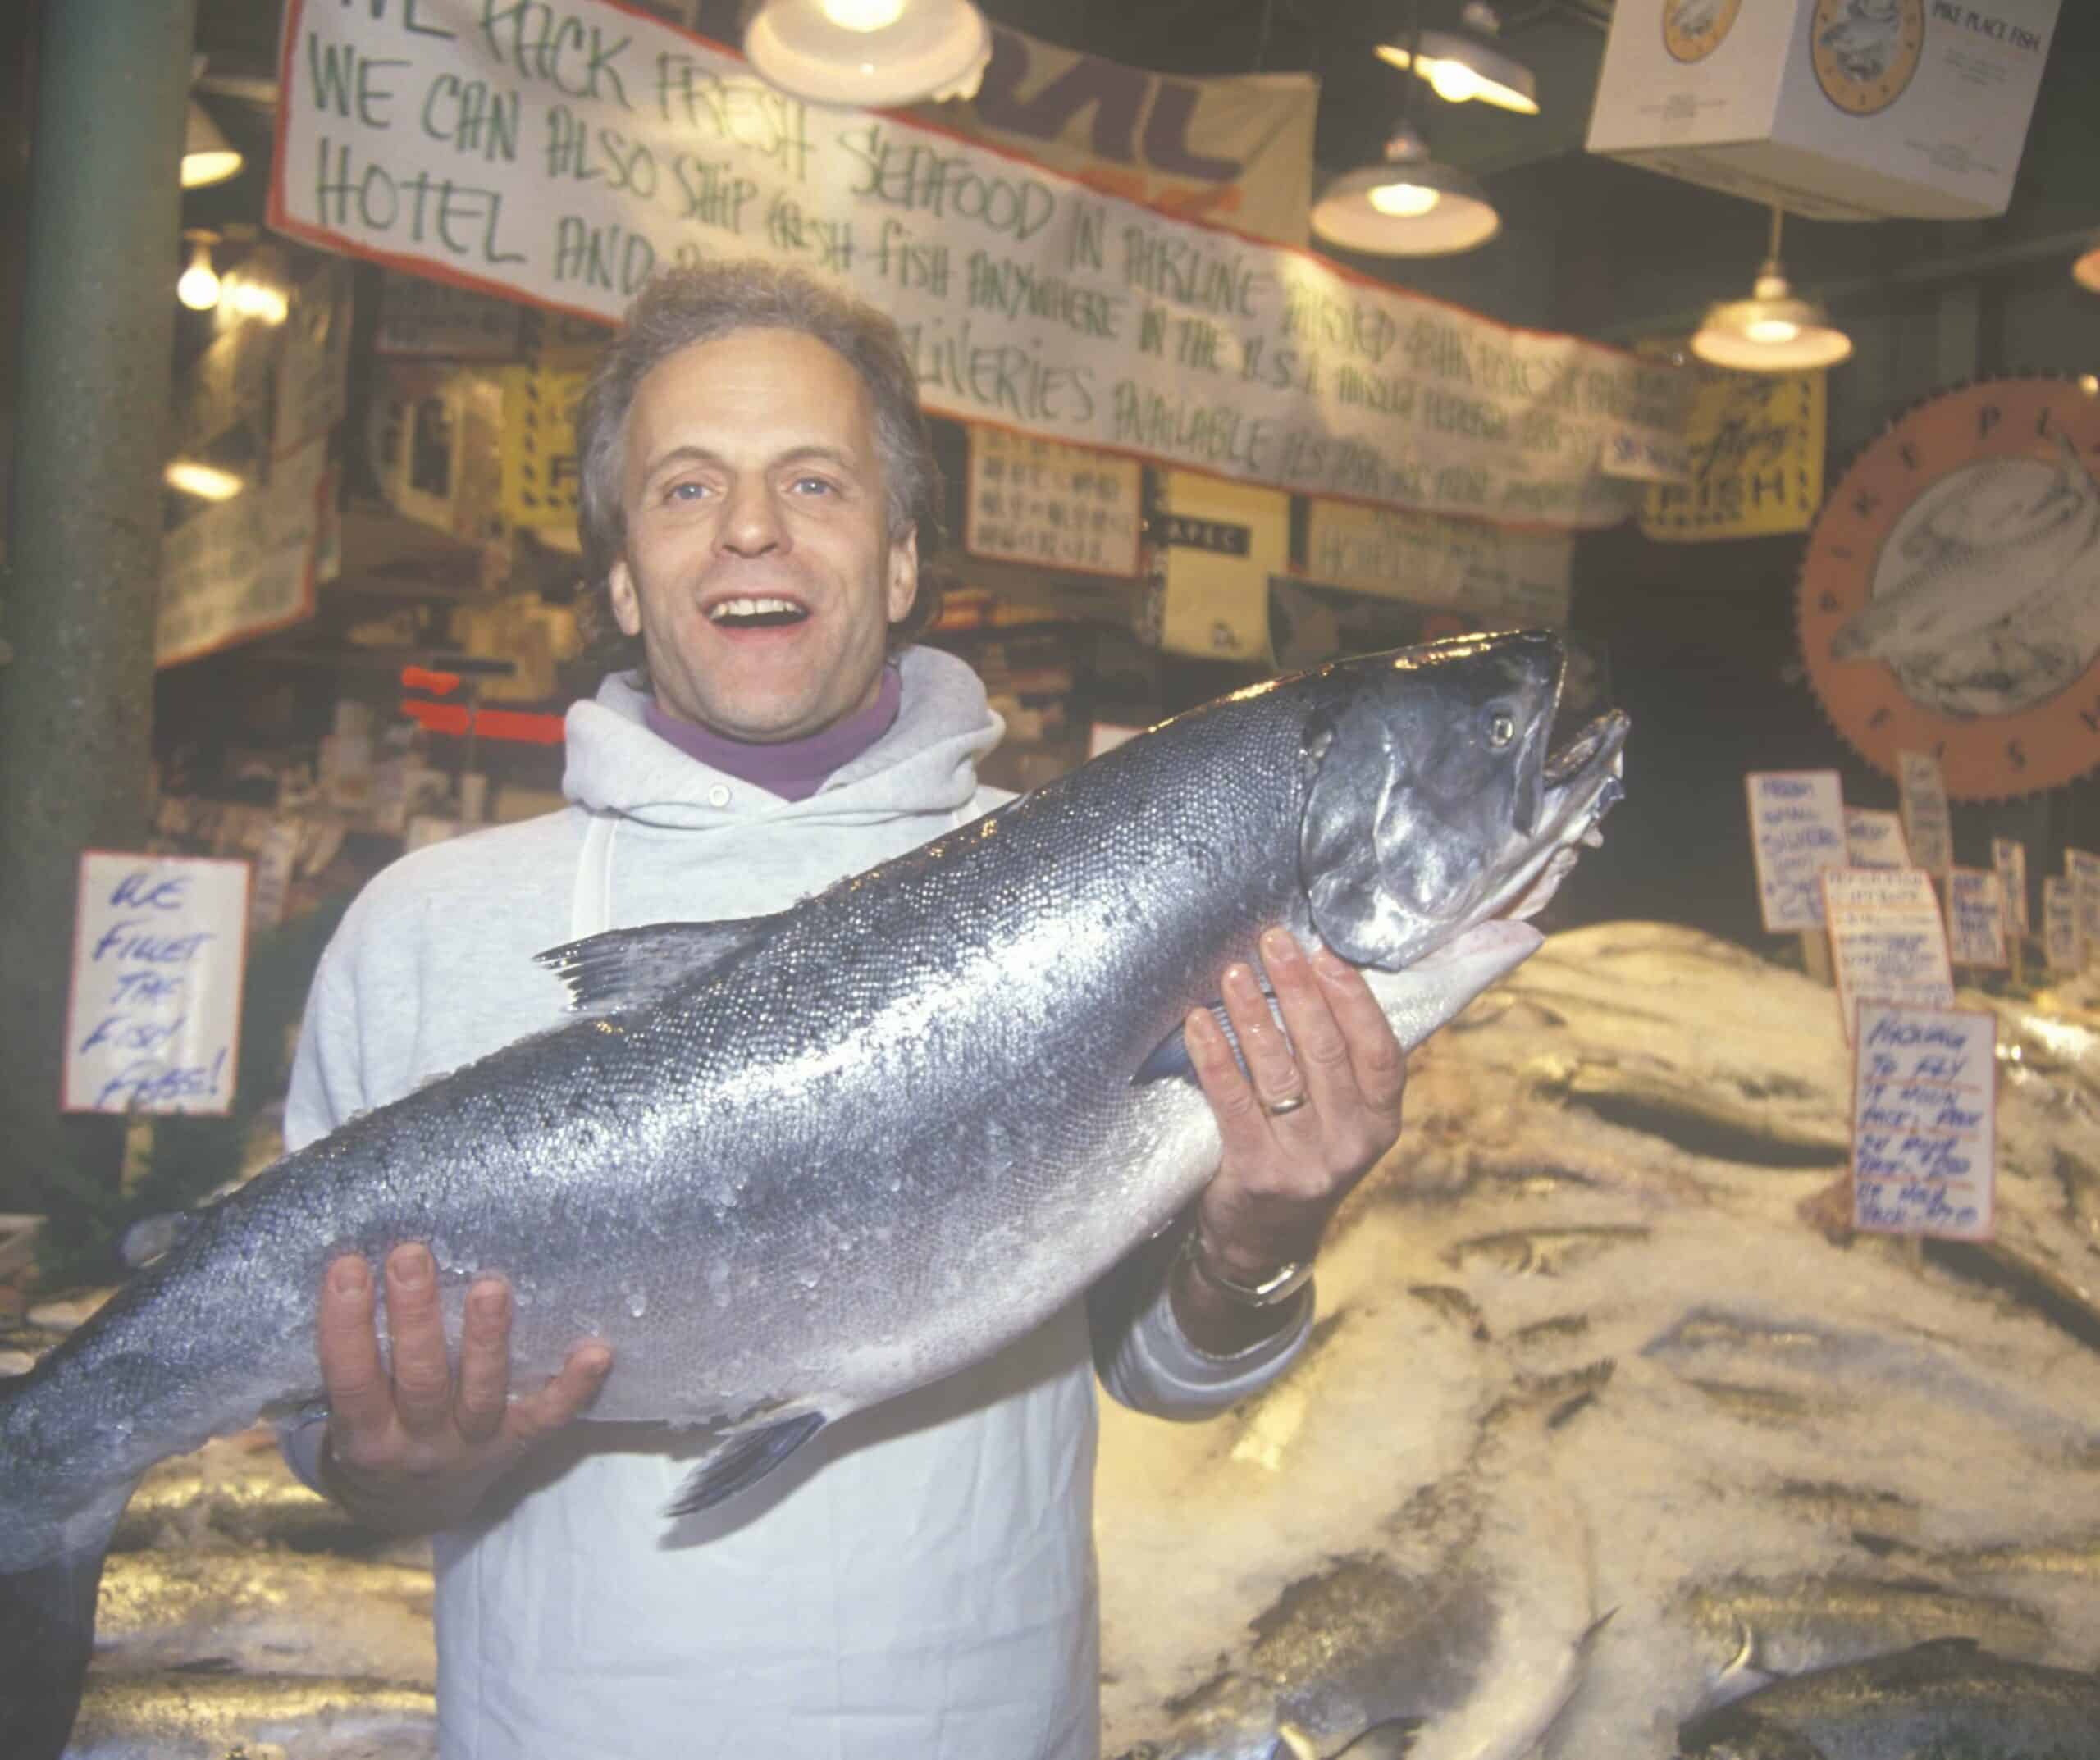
[47,1614]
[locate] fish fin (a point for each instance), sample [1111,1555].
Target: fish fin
[46,1631]
[1390,1740]
[626,968]
[1169,1061]
[743,1462]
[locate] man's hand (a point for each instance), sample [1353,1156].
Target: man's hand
[415,1451]
[1320,1109]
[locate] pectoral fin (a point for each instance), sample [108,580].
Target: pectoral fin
[743,1462]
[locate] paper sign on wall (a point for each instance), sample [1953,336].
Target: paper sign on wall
[1886,939]
[1874,839]
[2009,856]
[1975,917]
[1923,1155]
[2061,945]
[1927,825]
[1220,543]
[2083,869]
[154,1017]
[1030,500]
[1499,577]
[1796,831]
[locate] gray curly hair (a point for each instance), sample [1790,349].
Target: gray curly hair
[697,303]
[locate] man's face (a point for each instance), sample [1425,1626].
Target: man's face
[758,570]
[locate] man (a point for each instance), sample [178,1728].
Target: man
[918,1582]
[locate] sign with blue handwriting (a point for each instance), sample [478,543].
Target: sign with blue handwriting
[1922,1128]
[2009,856]
[2082,868]
[1887,941]
[1874,839]
[1796,831]
[1975,916]
[2060,940]
[1927,823]
[154,1024]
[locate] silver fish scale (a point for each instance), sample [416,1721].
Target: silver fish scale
[790,1158]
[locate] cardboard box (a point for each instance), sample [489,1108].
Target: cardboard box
[1834,109]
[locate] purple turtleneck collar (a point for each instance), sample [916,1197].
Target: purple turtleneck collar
[793,769]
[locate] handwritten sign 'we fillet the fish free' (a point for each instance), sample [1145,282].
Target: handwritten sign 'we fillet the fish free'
[154,1020]
[1922,1128]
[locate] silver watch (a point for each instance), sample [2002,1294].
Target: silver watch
[1272,1291]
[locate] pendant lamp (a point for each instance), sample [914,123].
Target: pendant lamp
[1469,64]
[2086,270]
[1411,205]
[207,156]
[1773,330]
[872,53]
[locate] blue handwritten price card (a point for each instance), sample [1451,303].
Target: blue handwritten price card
[1927,823]
[1922,1130]
[1796,831]
[2009,856]
[1975,916]
[1887,941]
[1874,839]
[2061,942]
[153,1023]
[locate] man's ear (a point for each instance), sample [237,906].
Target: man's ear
[627,602]
[903,575]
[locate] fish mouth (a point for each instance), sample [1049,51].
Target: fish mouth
[1580,782]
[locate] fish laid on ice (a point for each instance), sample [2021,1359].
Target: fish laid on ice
[800,1164]
[1948,1699]
[211,1716]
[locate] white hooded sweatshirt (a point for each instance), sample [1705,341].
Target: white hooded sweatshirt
[917,1582]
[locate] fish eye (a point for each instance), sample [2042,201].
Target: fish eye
[1501,728]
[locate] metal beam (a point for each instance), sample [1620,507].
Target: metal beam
[76,697]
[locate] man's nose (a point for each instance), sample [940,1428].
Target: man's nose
[751,524]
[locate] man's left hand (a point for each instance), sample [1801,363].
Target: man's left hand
[1322,1105]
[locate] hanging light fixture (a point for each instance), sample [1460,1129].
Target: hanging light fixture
[1469,64]
[1773,331]
[1409,206]
[198,285]
[2086,270]
[207,156]
[870,53]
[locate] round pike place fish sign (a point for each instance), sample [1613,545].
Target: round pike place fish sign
[1950,594]
[1693,29]
[1865,51]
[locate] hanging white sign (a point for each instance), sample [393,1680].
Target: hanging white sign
[561,151]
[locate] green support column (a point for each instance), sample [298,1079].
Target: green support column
[84,536]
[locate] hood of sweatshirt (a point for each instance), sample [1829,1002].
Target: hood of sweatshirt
[926,763]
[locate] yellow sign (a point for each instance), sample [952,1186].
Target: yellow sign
[1219,542]
[539,443]
[1756,446]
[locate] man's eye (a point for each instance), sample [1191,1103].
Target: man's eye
[805,486]
[685,491]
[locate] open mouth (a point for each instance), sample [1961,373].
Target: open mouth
[1584,774]
[756,611]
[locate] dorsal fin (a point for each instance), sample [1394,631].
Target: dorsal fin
[626,968]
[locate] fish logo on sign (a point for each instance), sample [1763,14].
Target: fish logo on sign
[1693,29]
[1950,594]
[1865,51]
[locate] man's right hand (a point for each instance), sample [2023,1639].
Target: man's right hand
[414,1451]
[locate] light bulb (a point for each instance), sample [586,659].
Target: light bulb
[1771,331]
[197,286]
[1452,80]
[862,15]
[207,482]
[1402,201]
[255,299]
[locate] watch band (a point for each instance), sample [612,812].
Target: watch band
[1272,1291]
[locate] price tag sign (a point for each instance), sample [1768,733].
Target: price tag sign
[1874,839]
[2009,856]
[1975,917]
[1796,831]
[1886,941]
[2061,945]
[153,1017]
[2082,868]
[1926,822]
[1922,1129]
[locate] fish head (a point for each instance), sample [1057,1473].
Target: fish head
[1434,800]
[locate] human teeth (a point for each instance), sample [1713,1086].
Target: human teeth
[754,608]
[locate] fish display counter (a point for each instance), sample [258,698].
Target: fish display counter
[1611,1441]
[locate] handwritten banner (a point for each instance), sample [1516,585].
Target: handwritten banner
[2009,856]
[1058,507]
[1500,578]
[1874,839]
[1923,1147]
[560,152]
[2061,944]
[1926,822]
[1797,831]
[1886,939]
[153,1019]
[1975,917]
